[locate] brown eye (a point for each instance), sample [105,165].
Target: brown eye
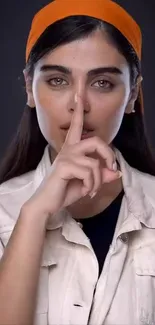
[56,82]
[104,84]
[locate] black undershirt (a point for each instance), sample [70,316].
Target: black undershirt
[101,227]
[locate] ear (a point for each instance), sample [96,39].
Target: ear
[133,96]
[28,84]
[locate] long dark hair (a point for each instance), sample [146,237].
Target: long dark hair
[27,147]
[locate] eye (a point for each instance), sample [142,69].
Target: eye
[56,82]
[104,84]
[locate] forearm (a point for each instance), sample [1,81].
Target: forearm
[19,271]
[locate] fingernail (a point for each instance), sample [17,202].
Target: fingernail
[114,166]
[120,174]
[92,195]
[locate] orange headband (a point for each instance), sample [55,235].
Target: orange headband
[105,10]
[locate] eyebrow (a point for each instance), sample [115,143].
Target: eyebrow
[91,73]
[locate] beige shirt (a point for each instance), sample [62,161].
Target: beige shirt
[70,292]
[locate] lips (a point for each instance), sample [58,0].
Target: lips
[86,127]
[85,133]
[84,130]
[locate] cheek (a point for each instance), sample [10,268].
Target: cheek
[109,114]
[115,101]
[48,114]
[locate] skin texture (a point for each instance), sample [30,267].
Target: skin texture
[105,98]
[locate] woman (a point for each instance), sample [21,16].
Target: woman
[77,202]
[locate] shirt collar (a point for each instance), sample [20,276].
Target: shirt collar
[138,187]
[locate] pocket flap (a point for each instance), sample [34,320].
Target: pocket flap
[144,259]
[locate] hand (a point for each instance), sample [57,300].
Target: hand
[73,174]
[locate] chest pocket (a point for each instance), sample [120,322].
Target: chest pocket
[144,262]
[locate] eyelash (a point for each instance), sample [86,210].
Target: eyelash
[111,86]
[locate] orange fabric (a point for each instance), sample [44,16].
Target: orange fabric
[105,10]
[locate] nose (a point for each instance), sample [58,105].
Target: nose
[84,103]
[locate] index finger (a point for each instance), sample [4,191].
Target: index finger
[76,126]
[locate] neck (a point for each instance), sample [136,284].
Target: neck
[87,207]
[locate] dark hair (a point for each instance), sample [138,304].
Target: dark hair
[27,147]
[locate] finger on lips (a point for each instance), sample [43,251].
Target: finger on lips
[88,146]
[76,126]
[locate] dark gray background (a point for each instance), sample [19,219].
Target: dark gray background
[15,21]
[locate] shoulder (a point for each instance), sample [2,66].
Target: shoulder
[16,191]
[13,194]
[147,183]
[16,184]
[136,180]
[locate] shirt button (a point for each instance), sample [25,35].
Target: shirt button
[124,238]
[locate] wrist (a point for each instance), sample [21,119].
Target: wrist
[34,216]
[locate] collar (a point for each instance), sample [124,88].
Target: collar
[139,192]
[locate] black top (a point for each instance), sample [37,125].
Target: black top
[100,229]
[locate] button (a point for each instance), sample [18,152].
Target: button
[124,238]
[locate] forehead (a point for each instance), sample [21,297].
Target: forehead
[85,53]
